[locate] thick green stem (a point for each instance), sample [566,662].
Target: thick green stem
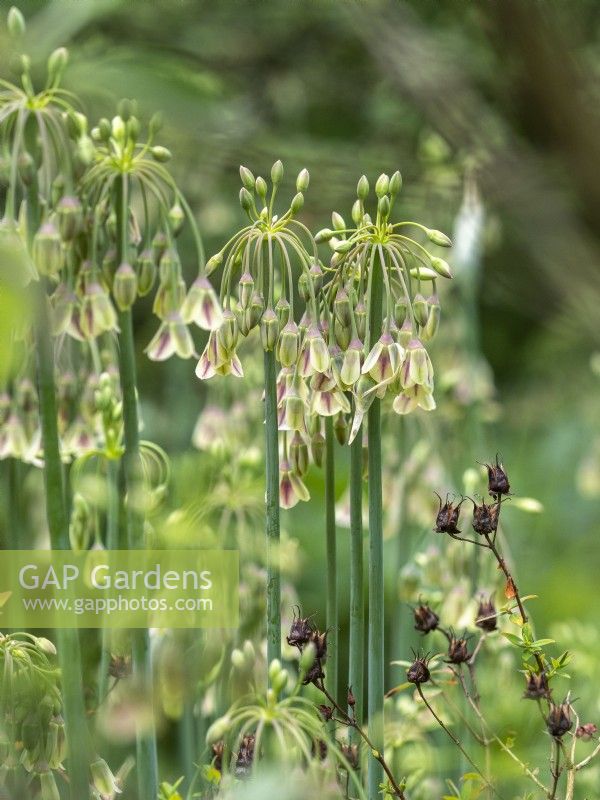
[14,505]
[147,767]
[69,653]
[187,740]
[272,509]
[357,606]
[376,618]
[112,543]
[331,610]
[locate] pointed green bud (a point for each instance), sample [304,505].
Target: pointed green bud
[47,250]
[156,123]
[176,218]
[125,284]
[317,448]
[247,178]
[342,334]
[439,238]
[340,427]
[160,153]
[302,181]
[146,268]
[324,235]
[257,307]
[133,129]
[245,199]
[441,267]
[245,289]
[15,22]
[70,217]
[357,212]
[395,183]
[249,652]
[400,310]
[276,172]
[338,221]
[297,203]
[360,318]
[433,319]
[304,286]
[118,129]
[274,669]
[56,63]
[218,729]
[282,309]
[269,329]
[261,188]
[343,246]
[420,310]
[125,109]
[383,206]
[362,189]
[316,275]
[213,263]
[104,129]
[382,186]
[288,345]
[299,454]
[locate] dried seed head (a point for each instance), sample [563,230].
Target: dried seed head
[497,479]
[418,672]
[536,686]
[559,719]
[350,752]
[119,667]
[458,651]
[425,619]
[446,520]
[486,619]
[350,699]
[217,749]
[300,631]
[245,756]
[485,518]
[326,712]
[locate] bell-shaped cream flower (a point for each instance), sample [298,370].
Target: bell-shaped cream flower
[201,305]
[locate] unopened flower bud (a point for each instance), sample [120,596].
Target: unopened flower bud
[400,310]
[237,659]
[433,317]
[338,221]
[297,203]
[247,178]
[536,686]
[383,207]
[360,318]
[340,427]
[70,217]
[439,238]
[382,185]
[15,22]
[316,275]
[57,63]
[227,334]
[160,153]
[304,286]
[104,129]
[218,729]
[357,212]
[146,268]
[324,235]
[269,329]
[276,172]
[176,218]
[362,189]
[159,245]
[299,454]
[245,289]
[261,188]
[317,448]
[125,286]
[47,249]
[302,181]
[441,267]
[245,199]
[395,183]
[420,310]
[288,345]
[283,310]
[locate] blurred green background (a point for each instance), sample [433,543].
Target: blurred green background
[503,94]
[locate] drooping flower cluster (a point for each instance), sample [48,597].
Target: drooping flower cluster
[391,359]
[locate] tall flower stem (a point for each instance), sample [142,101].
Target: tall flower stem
[147,768]
[376,592]
[357,610]
[332,598]
[272,509]
[69,652]
[112,543]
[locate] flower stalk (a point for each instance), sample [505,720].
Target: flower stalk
[357,621]
[331,546]
[272,509]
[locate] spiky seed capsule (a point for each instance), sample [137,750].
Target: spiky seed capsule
[447,517]
[497,479]
[485,518]
[418,672]
[486,619]
[536,686]
[426,619]
[559,719]
[458,652]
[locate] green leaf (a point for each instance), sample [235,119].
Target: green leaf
[512,639]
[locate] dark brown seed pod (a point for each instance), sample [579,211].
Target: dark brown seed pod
[446,520]
[559,719]
[418,672]
[300,631]
[350,751]
[486,619]
[498,483]
[536,686]
[426,619]
[458,650]
[245,756]
[485,518]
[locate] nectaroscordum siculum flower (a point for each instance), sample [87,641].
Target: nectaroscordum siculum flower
[379,318]
[260,265]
